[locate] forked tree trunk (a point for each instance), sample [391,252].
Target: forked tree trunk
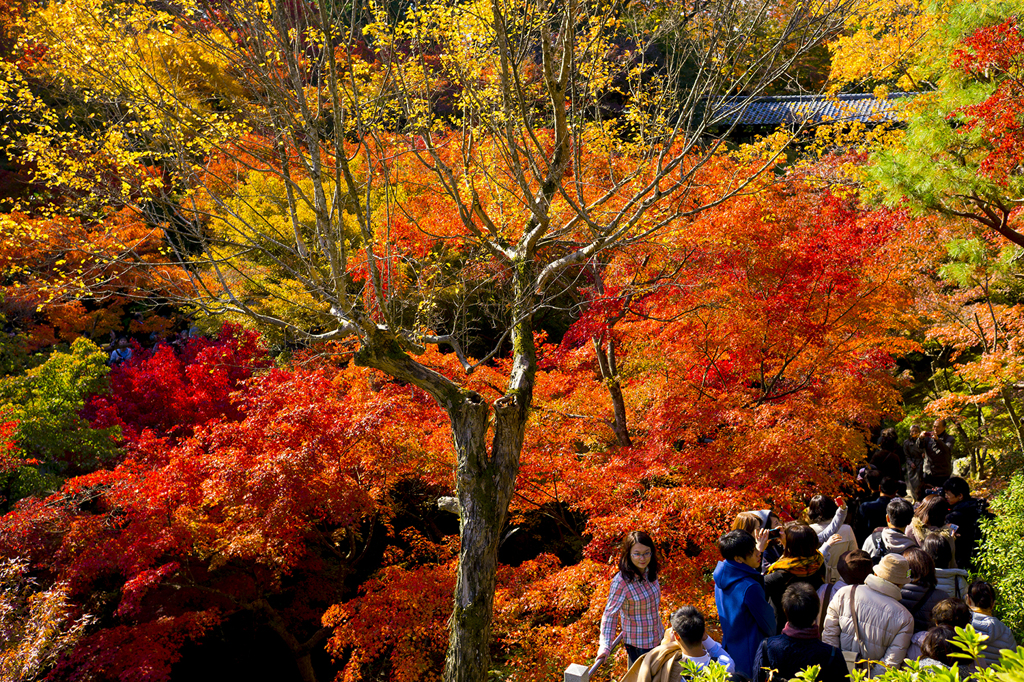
[485,483]
[484,478]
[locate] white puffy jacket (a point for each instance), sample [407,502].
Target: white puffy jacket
[952,581]
[885,624]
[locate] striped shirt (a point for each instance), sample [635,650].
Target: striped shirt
[638,605]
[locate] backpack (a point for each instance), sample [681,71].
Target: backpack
[878,547]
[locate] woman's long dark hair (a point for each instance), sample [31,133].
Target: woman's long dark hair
[932,511]
[821,508]
[626,567]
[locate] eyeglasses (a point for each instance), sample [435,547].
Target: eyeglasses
[641,555]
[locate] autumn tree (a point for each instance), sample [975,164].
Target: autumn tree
[72,276]
[964,139]
[510,142]
[264,513]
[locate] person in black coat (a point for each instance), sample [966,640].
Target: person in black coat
[799,645]
[800,562]
[964,513]
[873,513]
[921,594]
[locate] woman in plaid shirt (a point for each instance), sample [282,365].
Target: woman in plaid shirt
[635,596]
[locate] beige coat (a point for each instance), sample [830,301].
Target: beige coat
[849,542]
[885,624]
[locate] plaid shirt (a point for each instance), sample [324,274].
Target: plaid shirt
[638,604]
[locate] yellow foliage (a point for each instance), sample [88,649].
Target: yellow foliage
[882,39]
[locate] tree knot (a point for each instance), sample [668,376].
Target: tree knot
[505,402]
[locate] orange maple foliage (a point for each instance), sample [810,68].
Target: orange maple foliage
[65,277]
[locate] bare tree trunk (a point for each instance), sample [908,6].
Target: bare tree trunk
[1014,417]
[610,375]
[485,487]
[300,650]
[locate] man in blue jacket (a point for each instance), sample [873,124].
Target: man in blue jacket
[743,611]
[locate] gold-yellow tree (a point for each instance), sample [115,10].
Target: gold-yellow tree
[359,172]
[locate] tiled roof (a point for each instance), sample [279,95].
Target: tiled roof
[773,111]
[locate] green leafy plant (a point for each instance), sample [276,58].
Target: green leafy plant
[1001,561]
[46,402]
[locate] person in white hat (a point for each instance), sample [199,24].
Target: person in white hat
[868,620]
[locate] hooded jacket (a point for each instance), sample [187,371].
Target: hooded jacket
[744,612]
[886,626]
[952,581]
[890,542]
[999,638]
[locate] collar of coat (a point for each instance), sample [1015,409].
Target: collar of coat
[883,587]
[656,664]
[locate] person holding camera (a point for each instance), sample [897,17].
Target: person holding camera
[913,462]
[938,454]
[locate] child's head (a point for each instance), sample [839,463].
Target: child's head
[953,613]
[936,644]
[688,624]
[801,604]
[981,595]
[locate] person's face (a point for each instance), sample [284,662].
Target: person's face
[939,427]
[753,559]
[915,432]
[951,498]
[640,555]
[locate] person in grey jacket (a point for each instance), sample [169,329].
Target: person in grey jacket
[893,539]
[952,581]
[981,598]
[869,620]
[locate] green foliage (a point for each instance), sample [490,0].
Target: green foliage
[46,401]
[977,263]
[25,481]
[1001,561]
[936,168]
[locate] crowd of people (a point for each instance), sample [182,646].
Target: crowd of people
[870,588]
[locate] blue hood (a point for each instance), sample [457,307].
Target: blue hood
[728,573]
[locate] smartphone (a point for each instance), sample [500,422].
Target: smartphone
[775,532]
[953,527]
[839,501]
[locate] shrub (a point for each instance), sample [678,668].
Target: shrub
[1001,559]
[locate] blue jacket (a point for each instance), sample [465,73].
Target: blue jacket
[744,612]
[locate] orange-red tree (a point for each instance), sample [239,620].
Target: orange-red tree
[561,140]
